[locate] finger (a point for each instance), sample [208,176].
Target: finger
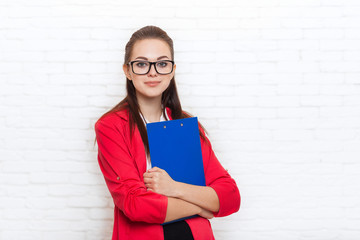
[147,175]
[148,180]
[156,169]
[151,175]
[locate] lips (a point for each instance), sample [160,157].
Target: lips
[152,83]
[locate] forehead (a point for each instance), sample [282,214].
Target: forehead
[151,49]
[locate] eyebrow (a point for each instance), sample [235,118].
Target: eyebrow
[157,58]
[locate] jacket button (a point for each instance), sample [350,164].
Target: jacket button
[118,178]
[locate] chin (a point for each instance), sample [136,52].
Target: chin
[151,95]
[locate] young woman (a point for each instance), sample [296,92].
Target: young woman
[146,197]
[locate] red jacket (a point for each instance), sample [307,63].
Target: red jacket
[138,212]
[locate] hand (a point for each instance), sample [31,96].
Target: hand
[206,214]
[159,181]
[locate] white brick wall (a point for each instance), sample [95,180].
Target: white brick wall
[275,82]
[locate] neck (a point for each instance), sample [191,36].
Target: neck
[150,108]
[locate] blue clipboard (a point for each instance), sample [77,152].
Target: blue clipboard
[175,147]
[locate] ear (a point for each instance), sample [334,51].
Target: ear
[126,69]
[174,68]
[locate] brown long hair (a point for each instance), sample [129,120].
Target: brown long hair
[170,97]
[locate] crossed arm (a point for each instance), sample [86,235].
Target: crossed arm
[183,199]
[131,194]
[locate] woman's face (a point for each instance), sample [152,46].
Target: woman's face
[152,84]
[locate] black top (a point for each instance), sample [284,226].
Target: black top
[179,230]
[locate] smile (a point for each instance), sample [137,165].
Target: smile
[152,83]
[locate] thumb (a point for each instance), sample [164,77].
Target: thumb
[154,169]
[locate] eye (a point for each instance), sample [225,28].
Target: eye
[141,64]
[162,64]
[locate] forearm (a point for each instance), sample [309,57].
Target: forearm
[204,197]
[178,208]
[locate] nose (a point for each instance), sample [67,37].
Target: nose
[152,71]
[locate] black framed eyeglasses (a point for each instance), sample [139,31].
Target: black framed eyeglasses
[162,67]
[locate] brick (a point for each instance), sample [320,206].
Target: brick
[350,146]
[349,90]
[297,90]
[235,101]
[241,34]
[85,68]
[299,44]
[234,79]
[212,90]
[328,134]
[339,66]
[15,233]
[25,79]
[67,214]
[321,55]
[241,123]
[260,23]
[201,101]
[50,225]
[237,56]
[282,78]
[11,67]
[85,90]
[278,101]
[323,78]
[47,177]
[282,34]
[351,33]
[260,68]
[352,56]
[66,56]
[69,101]
[196,57]
[255,90]
[300,112]
[254,113]
[279,55]
[68,33]
[199,12]
[302,23]
[351,100]
[323,12]
[293,135]
[352,78]
[85,179]
[298,66]
[235,12]
[89,201]
[299,3]
[211,112]
[69,79]
[99,213]
[193,78]
[26,167]
[28,56]
[343,44]
[58,235]
[323,33]
[65,190]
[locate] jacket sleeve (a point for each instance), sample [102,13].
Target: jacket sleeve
[220,180]
[122,177]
